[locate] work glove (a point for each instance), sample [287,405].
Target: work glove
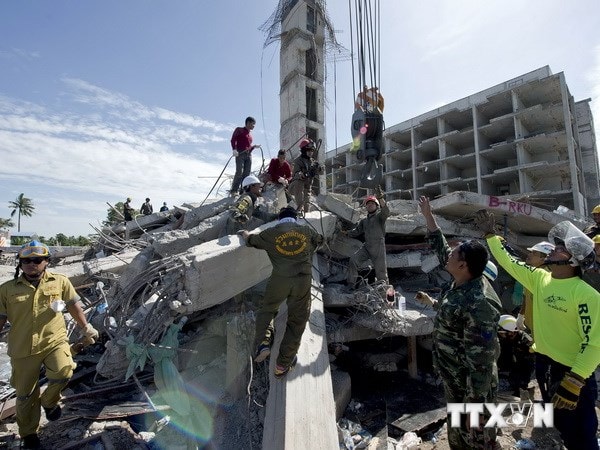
[567,394]
[90,333]
[520,322]
[234,153]
[379,192]
[485,222]
[283,181]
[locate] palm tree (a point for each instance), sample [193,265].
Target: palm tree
[25,207]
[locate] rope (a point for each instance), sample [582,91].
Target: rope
[218,178]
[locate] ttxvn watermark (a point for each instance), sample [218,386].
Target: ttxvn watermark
[503,415]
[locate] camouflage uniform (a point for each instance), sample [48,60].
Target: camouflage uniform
[466,347]
[373,227]
[290,248]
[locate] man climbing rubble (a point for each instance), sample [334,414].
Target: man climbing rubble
[33,303]
[290,247]
[566,324]
[373,228]
[244,208]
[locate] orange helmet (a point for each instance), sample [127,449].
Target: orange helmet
[371,198]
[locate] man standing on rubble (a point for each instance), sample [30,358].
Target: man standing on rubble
[146,208]
[304,171]
[33,304]
[127,210]
[465,339]
[290,247]
[373,228]
[566,325]
[241,148]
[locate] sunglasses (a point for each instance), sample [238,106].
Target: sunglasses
[32,260]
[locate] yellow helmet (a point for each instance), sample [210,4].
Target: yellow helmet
[596,239]
[596,209]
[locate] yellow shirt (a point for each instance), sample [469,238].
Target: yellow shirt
[35,327]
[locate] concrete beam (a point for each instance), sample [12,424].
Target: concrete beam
[222,268]
[115,263]
[300,411]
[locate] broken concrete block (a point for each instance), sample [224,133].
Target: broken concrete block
[406,259]
[193,217]
[429,262]
[228,258]
[117,263]
[341,205]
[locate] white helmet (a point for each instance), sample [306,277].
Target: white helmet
[249,180]
[577,244]
[508,322]
[490,271]
[544,247]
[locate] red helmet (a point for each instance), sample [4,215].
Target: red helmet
[371,198]
[307,144]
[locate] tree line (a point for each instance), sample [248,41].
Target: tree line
[23,207]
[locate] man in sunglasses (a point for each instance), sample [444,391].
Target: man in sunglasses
[33,303]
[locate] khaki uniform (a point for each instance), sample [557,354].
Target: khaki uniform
[38,336]
[290,248]
[373,227]
[304,171]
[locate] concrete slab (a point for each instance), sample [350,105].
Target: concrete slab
[115,263]
[522,218]
[222,268]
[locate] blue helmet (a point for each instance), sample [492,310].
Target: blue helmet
[34,249]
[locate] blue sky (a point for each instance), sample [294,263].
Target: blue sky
[100,100]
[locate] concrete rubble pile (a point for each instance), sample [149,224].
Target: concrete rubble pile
[148,278]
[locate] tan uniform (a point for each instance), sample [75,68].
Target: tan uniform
[38,336]
[290,248]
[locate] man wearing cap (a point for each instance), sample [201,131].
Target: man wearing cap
[241,149]
[304,172]
[33,303]
[290,247]
[465,331]
[566,323]
[373,228]
[594,229]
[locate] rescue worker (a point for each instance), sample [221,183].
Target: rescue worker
[566,323]
[373,228]
[33,303]
[592,274]
[290,247]
[241,149]
[465,339]
[146,208]
[279,171]
[594,229]
[244,208]
[303,173]
[516,356]
[127,210]
[164,207]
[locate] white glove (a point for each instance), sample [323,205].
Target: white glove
[90,332]
[520,322]
[234,153]
[282,181]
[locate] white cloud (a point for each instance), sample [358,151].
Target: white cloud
[71,163]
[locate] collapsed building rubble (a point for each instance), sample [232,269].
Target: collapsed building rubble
[175,303]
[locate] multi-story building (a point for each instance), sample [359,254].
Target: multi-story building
[525,138]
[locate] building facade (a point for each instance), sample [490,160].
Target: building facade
[526,139]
